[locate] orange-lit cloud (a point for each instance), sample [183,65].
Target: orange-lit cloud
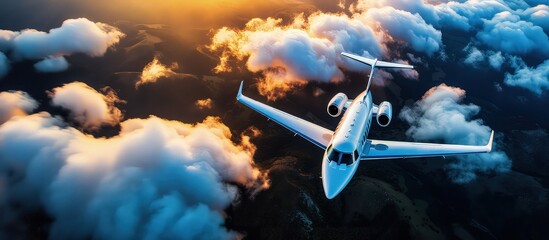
[15,104]
[308,48]
[87,106]
[156,70]
[289,55]
[274,86]
[204,103]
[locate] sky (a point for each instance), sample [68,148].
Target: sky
[118,118]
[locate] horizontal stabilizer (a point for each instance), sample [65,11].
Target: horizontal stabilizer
[378,64]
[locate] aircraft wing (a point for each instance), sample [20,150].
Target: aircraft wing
[313,133]
[379,149]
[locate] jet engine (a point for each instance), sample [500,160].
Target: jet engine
[384,114]
[336,105]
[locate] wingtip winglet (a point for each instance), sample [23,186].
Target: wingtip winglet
[490,142]
[240,90]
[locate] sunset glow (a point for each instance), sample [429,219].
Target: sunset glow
[220,119]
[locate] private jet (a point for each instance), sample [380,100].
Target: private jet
[348,145]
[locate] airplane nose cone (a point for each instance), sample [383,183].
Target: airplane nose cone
[332,184]
[330,193]
[335,177]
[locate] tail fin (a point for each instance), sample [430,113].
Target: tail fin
[374,63]
[378,64]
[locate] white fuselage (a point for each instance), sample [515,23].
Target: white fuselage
[342,156]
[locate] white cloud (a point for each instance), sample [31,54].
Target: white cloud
[426,11]
[155,179]
[495,60]
[478,59]
[439,115]
[476,10]
[308,49]
[4,65]
[87,106]
[74,36]
[538,15]
[535,79]
[6,39]
[507,33]
[290,54]
[408,28]
[52,64]
[474,56]
[15,104]
[349,34]
[463,15]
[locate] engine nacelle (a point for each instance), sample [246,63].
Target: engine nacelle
[336,105]
[384,114]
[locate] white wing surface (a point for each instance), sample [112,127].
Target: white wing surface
[313,133]
[378,149]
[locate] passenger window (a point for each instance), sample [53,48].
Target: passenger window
[356,155]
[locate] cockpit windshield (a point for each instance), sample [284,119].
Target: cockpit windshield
[338,157]
[346,158]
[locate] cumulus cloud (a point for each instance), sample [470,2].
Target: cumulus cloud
[15,103]
[4,65]
[462,15]
[477,58]
[154,71]
[52,64]
[289,55]
[535,79]
[421,36]
[508,33]
[308,48]
[6,39]
[474,56]
[538,15]
[496,60]
[87,106]
[204,103]
[512,27]
[74,36]
[155,179]
[440,115]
